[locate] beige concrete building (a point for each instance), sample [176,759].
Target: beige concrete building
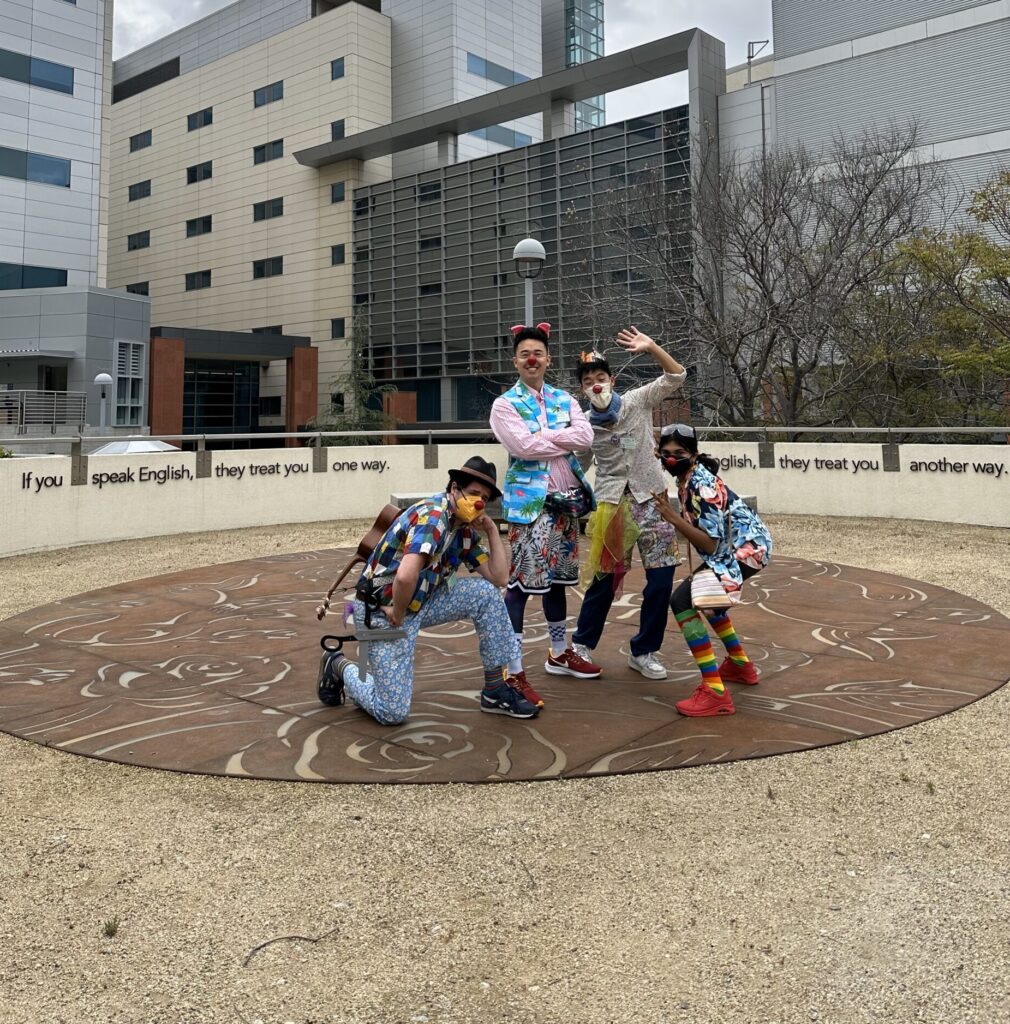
[209,213]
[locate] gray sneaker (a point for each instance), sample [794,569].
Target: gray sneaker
[583,652]
[648,665]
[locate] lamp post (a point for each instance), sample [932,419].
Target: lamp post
[103,380]
[529,256]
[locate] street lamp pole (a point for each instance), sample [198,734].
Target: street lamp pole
[103,380]
[529,256]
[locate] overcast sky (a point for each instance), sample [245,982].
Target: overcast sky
[629,22]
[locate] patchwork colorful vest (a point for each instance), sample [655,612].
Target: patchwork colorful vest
[526,479]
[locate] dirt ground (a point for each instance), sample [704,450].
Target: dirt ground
[862,882]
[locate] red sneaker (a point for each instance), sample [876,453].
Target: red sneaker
[705,702]
[521,683]
[570,664]
[731,672]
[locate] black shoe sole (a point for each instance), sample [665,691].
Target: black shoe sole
[330,691]
[510,712]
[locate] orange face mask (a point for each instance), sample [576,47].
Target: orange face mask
[469,507]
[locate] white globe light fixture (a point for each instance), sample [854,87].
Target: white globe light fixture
[529,256]
[103,380]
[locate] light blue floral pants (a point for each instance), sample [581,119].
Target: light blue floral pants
[386,693]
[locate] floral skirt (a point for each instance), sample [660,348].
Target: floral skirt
[544,552]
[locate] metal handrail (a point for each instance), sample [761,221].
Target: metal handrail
[24,408]
[318,435]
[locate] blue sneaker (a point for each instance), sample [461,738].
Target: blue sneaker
[502,699]
[330,687]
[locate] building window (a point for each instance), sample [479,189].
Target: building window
[337,327]
[129,382]
[200,119]
[21,67]
[199,226]
[46,170]
[336,255]
[140,288]
[362,206]
[501,228]
[199,172]
[141,240]
[336,69]
[197,280]
[272,267]
[336,130]
[272,329]
[493,72]
[140,190]
[16,275]
[337,192]
[425,244]
[362,299]
[140,141]
[502,136]
[270,405]
[268,209]
[429,191]
[499,279]
[268,94]
[429,289]
[268,151]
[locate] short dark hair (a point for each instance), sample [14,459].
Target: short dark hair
[530,334]
[592,365]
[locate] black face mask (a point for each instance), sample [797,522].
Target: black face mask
[675,466]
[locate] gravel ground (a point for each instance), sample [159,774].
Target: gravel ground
[862,882]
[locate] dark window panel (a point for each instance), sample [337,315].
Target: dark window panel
[199,226]
[140,141]
[337,327]
[336,130]
[139,240]
[200,119]
[146,80]
[197,280]
[337,192]
[273,329]
[272,267]
[337,68]
[199,172]
[139,288]
[268,94]
[268,151]
[337,255]
[140,190]
[268,209]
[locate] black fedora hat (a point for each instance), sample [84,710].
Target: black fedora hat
[476,468]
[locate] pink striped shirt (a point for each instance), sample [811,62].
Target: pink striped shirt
[553,445]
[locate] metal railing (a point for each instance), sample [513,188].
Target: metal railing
[315,438]
[24,409]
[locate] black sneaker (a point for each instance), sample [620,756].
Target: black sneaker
[502,699]
[330,686]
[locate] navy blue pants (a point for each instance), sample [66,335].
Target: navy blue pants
[652,622]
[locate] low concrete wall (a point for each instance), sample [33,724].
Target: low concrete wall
[133,496]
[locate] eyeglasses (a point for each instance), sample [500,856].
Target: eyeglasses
[677,428]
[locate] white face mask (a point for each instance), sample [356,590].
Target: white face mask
[599,395]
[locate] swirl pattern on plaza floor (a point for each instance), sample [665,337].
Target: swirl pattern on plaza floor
[213,671]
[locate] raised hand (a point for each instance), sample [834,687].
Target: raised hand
[631,339]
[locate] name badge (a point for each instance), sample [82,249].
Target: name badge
[629,443]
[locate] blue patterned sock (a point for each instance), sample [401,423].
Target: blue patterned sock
[556,631]
[516,664]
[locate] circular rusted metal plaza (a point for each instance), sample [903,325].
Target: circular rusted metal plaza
[213,671]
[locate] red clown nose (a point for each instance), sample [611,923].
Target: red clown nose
[532,362]
[479,506]
[597,389]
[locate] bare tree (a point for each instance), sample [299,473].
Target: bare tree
[758,265]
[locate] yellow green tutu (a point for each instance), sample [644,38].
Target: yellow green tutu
[612,532]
